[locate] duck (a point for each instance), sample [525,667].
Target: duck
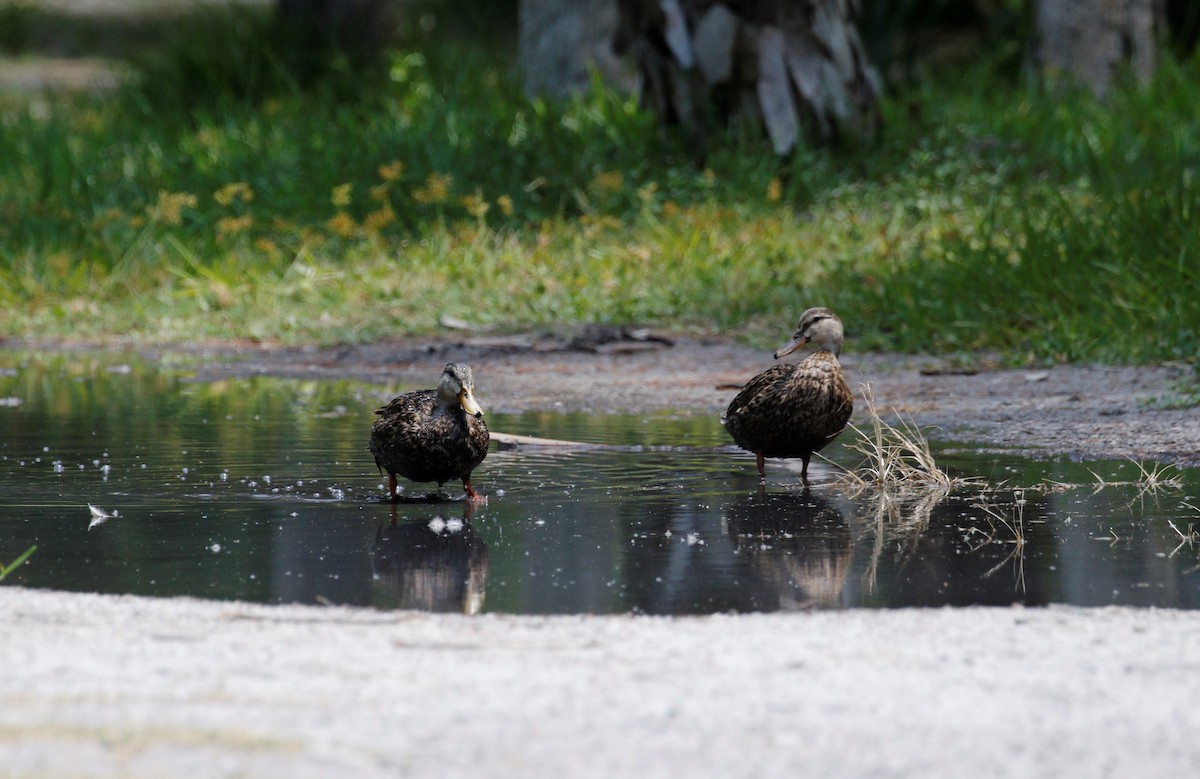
[792,411]
[433,434]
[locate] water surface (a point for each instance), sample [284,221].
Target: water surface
[262,489]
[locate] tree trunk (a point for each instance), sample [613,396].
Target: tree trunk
[561,43]
[1091,41]
[788,64]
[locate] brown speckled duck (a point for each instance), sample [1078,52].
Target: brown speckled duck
[795,410]
[432,435]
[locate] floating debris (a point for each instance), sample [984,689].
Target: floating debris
[100,516]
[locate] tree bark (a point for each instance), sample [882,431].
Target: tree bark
[790,65]
[1091,41]
[561,43]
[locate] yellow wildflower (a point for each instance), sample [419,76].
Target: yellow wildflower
[232,225]
[342,224]
[238,190]
[380,218]
[775,190]
[380,191]
[506,205]
[168,209]
[476,205]
[341,195]
[608,181]
[391,171]
[710,177]
[436,189]
[266,246]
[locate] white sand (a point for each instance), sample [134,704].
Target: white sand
[104,686]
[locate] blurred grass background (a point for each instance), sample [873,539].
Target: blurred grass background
[242,185]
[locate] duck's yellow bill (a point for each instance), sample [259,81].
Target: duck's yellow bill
[468,403]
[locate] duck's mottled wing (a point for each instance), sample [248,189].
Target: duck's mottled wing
[414,438]
[758,392]
[791,411]
[399,423]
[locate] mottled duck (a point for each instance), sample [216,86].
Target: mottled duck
[795,410]
[432,435]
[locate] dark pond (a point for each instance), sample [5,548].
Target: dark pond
[263,490]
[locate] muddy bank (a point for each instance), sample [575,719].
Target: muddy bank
[1079,411]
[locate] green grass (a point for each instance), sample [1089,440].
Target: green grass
[5,570]
[241,196]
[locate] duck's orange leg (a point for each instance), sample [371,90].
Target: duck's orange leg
[471,493]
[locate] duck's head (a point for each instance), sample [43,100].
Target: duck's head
[818,326]
[457,387]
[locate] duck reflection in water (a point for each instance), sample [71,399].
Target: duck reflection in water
[798,546]
[431,564]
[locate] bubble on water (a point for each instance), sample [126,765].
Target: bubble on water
[96,463]
[224,475]
[214,548]
[453,525]
[437,524]
[499,493]
[59,467]
[266,479]
[45,448]
[337,494]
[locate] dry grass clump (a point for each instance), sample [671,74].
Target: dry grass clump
[1005,529]
[897,456]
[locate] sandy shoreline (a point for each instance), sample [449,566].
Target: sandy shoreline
[122,686]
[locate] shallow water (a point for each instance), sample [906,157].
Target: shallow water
[263,490]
